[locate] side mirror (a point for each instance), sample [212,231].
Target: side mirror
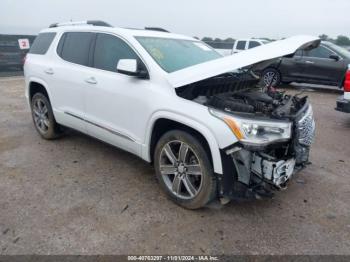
[130,67]
[334,57]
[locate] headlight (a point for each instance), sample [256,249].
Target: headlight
[253,131]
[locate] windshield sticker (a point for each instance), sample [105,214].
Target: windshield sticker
[156,53]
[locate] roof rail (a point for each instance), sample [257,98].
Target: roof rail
[157,29]
[88,22]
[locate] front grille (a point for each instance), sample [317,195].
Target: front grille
[306,128]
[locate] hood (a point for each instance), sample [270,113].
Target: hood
[252,56]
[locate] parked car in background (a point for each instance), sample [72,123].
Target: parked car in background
[343,102]
[244,44]
[325,65]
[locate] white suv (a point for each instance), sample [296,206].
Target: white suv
[203,123]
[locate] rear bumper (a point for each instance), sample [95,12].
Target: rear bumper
[343,105]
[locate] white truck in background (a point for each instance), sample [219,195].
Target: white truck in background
[241,45]
[245,44]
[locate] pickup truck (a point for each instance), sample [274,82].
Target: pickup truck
[245,44]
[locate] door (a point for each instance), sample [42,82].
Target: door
[71,72]
[116,104]
[319,68]
[291,67]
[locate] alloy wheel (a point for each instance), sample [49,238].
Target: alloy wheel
[41,115]
[180,169]
[270,76]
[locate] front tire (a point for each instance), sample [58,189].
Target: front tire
[43,118]
[269,74]
[184,170]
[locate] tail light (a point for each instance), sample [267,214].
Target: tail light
[347,81]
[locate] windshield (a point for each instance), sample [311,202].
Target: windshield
[175,54]
[342,51]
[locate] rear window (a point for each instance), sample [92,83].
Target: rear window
[75,46]
[240,45]
[42,43]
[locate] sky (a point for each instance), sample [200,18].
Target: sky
[220,18]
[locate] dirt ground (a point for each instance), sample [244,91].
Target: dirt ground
[77,195]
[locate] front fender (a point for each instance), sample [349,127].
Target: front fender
[185,120]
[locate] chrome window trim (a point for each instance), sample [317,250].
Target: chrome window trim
[114,132]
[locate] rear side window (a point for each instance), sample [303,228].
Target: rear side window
[109,50]
[75,46]
[253,44]
[240,45]
[42,43]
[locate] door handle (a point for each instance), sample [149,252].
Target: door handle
[309,62]
[91,80]
[49,71]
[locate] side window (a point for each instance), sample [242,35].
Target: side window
[241,45]
[42,43]
[298,53]
[253,44]
[319,52]
[109,50]
[75,46]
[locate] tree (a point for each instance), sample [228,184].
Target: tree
[207,39]
[229,40]
[323,37]
[342,40]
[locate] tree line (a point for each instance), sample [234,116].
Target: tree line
[341,40]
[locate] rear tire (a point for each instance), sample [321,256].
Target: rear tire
[43,118]
[183,170]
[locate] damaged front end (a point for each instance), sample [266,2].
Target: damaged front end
[274,132]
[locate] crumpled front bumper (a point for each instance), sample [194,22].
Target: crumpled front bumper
[275,172]
[253,172]
[249,174]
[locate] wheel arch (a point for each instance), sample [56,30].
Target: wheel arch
[274,67]
[162,124]
[36,85]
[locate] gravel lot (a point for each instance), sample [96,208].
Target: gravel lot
[77,195]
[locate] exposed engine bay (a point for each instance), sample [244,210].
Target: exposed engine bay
[240,93]
[260,168]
